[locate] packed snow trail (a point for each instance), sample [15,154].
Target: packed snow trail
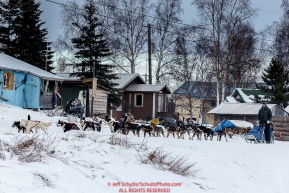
[89,164]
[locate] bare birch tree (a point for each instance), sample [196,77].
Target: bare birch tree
[245,63]
[71,15]
[167,14]
[61,64]
[221,18]
[280,32]
[129,35]
[194,73]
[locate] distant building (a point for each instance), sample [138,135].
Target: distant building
[140,99]
[73,87]
[243,111]
[241,105]
[241,95]
[23,84]
[203,96]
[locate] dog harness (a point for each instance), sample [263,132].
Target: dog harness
[37,123]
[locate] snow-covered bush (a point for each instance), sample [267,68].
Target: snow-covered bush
[167,161]
[33,148]
[2,154]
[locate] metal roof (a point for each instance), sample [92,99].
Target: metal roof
[195,89]
[287,109]
[208,89]
[254,92]
[147,88]
[244,97]
[125,78]
[231,99]
[238,108]
[67,77]
[10,63]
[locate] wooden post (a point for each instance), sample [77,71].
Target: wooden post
[149,54]
[93,94]
[93,90]
[46,85]
[94,86]
[87,102]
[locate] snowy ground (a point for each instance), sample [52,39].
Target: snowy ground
[89,164]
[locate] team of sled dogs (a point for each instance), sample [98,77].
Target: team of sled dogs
[27,125]
[157,131]
[124,128]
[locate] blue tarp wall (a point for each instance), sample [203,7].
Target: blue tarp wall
[224,124]
[25,95]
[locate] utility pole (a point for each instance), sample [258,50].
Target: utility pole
[46,56]
[146,77]
[150,54]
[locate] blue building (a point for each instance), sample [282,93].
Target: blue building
[23,84]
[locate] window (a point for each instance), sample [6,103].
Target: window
[119,108]
[160,103]
[8,80]
[138,98]
[213,103]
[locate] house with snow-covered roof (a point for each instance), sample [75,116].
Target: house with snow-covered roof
[23,84]
[140,99]
[203,97]
[200,95]
[244,95]
[241,105]
[243,111]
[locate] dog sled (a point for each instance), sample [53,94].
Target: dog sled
[257,135]
[56,111]
[231,127]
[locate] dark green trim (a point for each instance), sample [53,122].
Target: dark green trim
[255,92]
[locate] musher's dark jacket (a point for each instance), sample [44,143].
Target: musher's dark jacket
[264,115]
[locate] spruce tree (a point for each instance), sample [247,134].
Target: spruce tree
[8,11]
[27,36]
[257,99]
[91,48]
[277,80]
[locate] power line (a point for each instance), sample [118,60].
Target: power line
[149,16]
[268,11]
[172,33]
[65,5]
[153,17]
[194,26]
[207,39]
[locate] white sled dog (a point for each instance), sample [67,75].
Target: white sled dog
[29,124]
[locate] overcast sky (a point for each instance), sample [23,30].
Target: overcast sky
[268,12]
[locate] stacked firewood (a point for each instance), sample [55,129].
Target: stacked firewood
[281,128]
[239,130]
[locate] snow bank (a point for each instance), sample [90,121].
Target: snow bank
[242,124]
[91,163]
[287,109]
[244,96]
[263,97]
[231,99]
